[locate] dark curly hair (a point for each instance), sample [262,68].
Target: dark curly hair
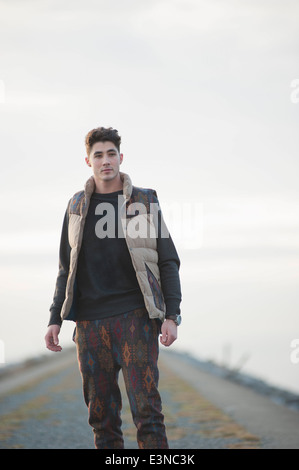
[102,134]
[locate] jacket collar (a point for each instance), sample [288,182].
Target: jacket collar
[127,186]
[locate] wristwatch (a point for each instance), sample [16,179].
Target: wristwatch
[176,318]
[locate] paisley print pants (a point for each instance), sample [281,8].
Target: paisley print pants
[128,342]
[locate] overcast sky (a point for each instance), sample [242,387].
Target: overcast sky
[198,89]
[201,93]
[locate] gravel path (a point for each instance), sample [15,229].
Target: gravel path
[42,407]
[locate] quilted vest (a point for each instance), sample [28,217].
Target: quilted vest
[143,250]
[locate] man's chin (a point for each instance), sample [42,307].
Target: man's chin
[107,176]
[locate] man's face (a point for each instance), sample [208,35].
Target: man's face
[105,160]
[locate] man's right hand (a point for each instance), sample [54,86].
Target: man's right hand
[51,338]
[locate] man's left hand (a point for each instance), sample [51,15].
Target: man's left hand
[169,332]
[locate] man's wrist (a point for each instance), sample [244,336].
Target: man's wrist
[55,324]
[177,319]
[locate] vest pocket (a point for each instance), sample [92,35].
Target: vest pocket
[155,288]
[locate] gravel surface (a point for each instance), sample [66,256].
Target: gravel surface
[47,411]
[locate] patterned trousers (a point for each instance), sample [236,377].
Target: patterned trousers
[128,342]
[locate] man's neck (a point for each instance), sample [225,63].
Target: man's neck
[105,187]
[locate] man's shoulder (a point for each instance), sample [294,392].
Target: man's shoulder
[75,202]
[139,192]
[145,196]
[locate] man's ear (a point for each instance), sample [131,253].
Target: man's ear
[87,161]
[121,156]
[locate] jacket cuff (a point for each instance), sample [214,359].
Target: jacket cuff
[55,319]
[172,308]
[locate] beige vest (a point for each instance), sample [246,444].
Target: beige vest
[143,250]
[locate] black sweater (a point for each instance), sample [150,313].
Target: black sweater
[106,279]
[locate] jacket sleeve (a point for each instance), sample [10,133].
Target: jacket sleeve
[64,263]
[169,265]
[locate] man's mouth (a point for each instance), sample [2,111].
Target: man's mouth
[106,169]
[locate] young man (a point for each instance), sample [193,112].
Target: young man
[118,280]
